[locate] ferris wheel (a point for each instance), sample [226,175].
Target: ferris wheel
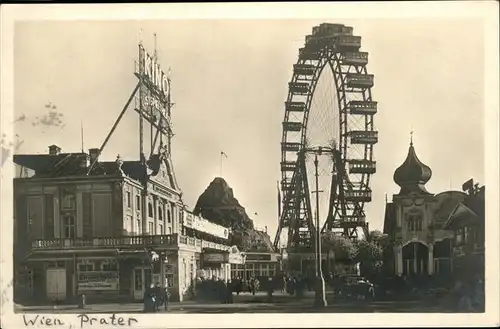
[328,138]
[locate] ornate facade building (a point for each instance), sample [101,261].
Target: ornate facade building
[415,221]
[107,230]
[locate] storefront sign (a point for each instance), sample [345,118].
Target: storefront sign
[98,280]
[235,256]
[236,259]
[205,226]
[161,190]
[150,71]
[214,258]
[263,257]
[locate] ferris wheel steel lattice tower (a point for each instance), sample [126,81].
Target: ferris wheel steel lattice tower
[351,154]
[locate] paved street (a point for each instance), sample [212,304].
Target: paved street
[247,303]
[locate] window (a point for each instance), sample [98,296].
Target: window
[129,201]
[68,202]
[170,280]
[162,229]
[466,235]
[138,226]
[169,230]
[169,216]
[160,214]
[263,270]
[109,265]
[415,223]
[138,279]
[272,269]
[459,237]
[150,210]
[68,226]
[418,224]
[85,267]
[129,224]
[151,228]
[138,202]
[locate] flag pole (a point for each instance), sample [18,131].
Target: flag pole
[222,154]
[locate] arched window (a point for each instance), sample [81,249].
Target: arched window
[160,213]
[150,210]
[415,223]
[169,215]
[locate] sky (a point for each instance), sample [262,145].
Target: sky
[229,83]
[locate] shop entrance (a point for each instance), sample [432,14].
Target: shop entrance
[56,284]
[142,280]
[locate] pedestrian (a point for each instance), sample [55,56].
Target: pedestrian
[215,289]
[166,298]
[270,289]
[300,285]
[159,296]
[291,286]
[221,291]
[255,286]
[229,292]
[370,291]
[149,300]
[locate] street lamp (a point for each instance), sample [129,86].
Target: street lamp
[320,298]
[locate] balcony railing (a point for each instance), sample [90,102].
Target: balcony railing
[136,241]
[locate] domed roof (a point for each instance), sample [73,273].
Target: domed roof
[412,174]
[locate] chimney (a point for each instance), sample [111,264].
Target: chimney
[94,155]
[54,150]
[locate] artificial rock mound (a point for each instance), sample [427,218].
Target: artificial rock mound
[218,205]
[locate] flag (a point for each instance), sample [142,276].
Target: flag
[222,153]
[279,199]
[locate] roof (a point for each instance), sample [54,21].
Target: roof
[445,203]
[469,211]
[412,175]
[52,165]
[70,164]
[389,218]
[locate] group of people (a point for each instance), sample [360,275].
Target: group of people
[154,297]
[214,289]
[220,290]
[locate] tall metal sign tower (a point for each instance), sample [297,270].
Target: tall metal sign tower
[152,101]
[153,105]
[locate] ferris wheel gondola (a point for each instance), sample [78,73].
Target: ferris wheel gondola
[348,121]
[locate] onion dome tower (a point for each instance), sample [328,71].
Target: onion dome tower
[412,175]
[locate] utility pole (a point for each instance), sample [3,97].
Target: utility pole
[315,233]
[320,298]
